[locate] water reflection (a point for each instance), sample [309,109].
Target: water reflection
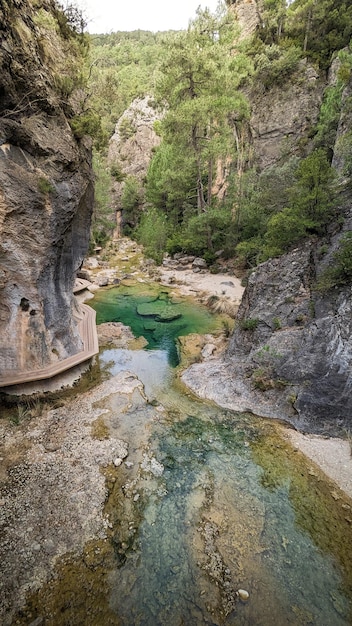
[152,368]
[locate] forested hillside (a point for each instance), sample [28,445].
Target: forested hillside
[209,188]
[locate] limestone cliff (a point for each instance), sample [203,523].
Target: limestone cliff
[290,355]
[46,189]
[283,116]
[130,147]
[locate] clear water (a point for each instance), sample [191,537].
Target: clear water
[212,523]
[223,515]
[153,314]
[211,502]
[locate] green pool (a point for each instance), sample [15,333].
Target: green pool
[153,313]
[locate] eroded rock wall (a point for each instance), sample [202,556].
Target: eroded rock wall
[298,351]
[46,192]
[131,148]
[290,356]
[282,116]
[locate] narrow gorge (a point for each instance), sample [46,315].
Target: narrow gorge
[176,318]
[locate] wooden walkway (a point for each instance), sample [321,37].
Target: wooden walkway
[80,285]
[88,332]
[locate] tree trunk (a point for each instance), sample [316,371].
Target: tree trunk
[308,27]
[210,181]
[200,188]
[240,147]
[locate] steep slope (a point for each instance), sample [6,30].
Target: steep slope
[290,355]
[130,151]
[46,189]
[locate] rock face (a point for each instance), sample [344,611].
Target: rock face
[282,117]
[300,341]
[131,146]
[46,192]
[290,355]
[135,137]
[247,13]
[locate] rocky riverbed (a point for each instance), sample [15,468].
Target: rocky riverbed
[64,470]
[214,378]
[52,487]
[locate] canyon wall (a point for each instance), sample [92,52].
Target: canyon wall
[290,355]
[46,188]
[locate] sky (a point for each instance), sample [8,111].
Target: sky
[105,16]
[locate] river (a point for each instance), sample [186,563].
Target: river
[228,505]
[212,518]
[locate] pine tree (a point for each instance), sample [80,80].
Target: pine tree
[199,88]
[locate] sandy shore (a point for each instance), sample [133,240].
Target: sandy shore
[332,456]
[194,284]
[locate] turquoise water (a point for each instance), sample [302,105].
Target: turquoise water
[211,524]
[231,506]
[153,314]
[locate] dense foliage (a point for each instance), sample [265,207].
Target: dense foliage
[199,77]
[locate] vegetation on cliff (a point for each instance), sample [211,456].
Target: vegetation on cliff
[205,189]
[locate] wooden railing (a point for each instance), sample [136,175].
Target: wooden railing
[88,332]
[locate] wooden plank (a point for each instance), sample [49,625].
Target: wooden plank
[88,332]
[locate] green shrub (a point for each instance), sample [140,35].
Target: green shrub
[64,84]
[87,123]
[45,186]
[250,323]
[247,252]
[45,20]
[126,128]
[277,323]
[275,64]
[285,229]
[262,379]
[152,234]
[130,202]
[340,272]
[117,173]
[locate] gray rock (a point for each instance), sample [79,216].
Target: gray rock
[103,281]
[290,355]
[198,262]
[208,350]
[46,186]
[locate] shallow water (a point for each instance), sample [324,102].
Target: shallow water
[211,524]
[224,515]
[210,502]
[152,313]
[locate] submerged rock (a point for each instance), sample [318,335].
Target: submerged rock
[243,595]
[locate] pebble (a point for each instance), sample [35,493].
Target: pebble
[37,622]
[36,546]
[117,462]
[243,595]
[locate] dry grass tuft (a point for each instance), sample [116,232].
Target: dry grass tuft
[222,305]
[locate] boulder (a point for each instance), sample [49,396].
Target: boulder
[198,262]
